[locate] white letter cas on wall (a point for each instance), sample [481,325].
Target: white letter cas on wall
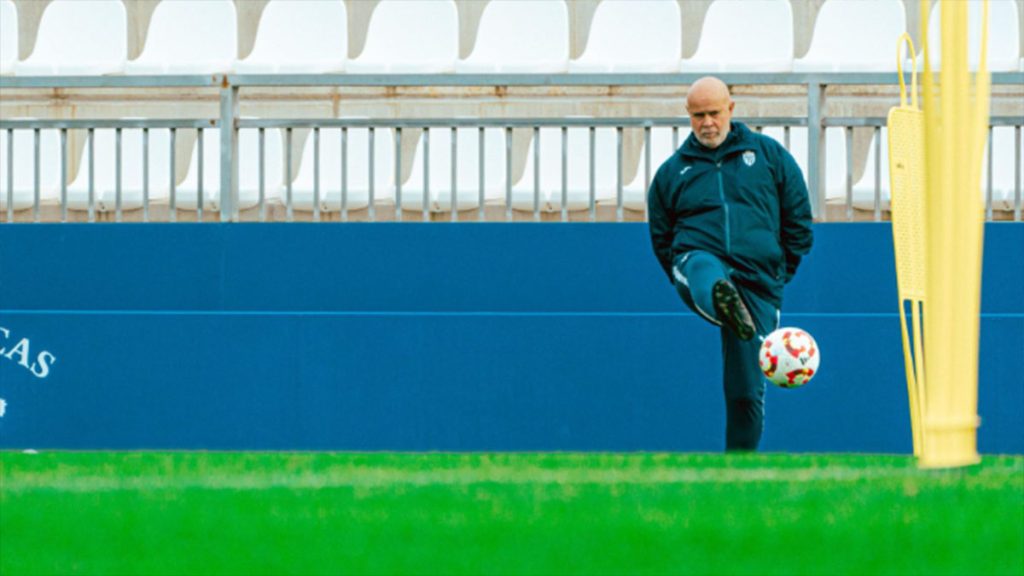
[19,351]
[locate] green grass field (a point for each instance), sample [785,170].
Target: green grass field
[327,513]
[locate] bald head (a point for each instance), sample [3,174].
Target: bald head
[705,88]
[710,108]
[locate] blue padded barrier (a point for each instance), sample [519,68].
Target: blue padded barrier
[444,337]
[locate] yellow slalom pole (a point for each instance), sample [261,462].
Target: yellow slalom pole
[955,125]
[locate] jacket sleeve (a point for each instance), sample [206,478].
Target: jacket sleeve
[661,223]
[797,235]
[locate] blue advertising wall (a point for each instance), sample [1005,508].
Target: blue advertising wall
[445,337]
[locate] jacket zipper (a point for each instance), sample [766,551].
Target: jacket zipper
[725,207]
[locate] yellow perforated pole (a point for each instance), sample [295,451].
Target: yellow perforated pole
[907,182]
[956,120]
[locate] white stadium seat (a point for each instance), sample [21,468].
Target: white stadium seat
[578,166]
[468,171]
[747,36]
[410,37]
[357,171]
[24,168]
[187,193]
[835,159]
[520,37]
[299,37]
[78,38]
[864,189]
[855,36]
[550,177]
[8,36]
[634,194]
[1003,36]
[1002,173]
[633,36]
[1003,168]
[105,167]
[189,37]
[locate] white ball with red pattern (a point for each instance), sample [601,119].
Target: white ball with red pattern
[789,357]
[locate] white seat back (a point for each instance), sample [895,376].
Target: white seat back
[186,194]
[299,36]
[357,174]
[634,194]
[24,167]
[105,170]
[550,171]
[747,36]
[79,37]
[633,36]
[410,36]
[855,36]
[1004,152]
[8,36]
[467,184]
[520,37]
[189,37]
[864,188]
[835,158]
[1003,36]
[577,166]
[248,169]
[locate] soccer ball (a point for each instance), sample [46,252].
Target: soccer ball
[789,357]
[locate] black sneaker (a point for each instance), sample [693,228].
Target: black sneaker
[731,309]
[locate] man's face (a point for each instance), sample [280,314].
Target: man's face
[710,114]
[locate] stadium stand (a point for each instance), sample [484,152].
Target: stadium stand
[467,182]
[538,182]
[1003,36]
[189,38]
[104,176]
[78,37]
[299,36]
[520,37]
[632,36]
[22,178]
[1002,166]
[864,188]
[577,160]
[634,193]
[840,165]
[854,36]
[1006,156]
[750,36]
[753,42]
[8,36]
[187,193]
[410,37]
[357,175]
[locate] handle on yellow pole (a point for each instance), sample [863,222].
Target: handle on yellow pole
[907,179]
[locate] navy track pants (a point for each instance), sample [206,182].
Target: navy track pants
[695,273]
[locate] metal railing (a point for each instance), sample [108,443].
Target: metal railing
[876,160]
[229,85]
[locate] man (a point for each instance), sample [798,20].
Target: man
[730,220]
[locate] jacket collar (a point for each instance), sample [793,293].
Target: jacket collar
[738,138]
